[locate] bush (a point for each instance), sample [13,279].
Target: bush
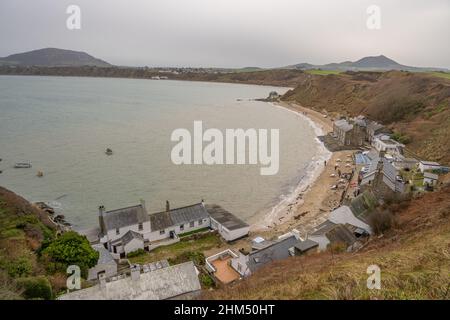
[404,139]
[70,249]
[206,281]
[136,253]
[381,221]
[20,267]
[36,288]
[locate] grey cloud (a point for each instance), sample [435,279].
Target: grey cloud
[232,33]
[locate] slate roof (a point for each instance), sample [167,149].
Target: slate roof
[178,216]
[105,256]
[125,217]
[373,154]
[373,167]
[430,163]
[374,126]
[430,175]
[225,218]
[128,236]
[188,214]
[360,122]
[323,228]
[160,221]
[161,284]
[306,245]
[343,125]
[262,245]
[363,204]
[277,251]
[389,170]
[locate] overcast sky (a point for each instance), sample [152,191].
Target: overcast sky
[232,33]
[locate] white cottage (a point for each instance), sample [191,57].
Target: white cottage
[428,165]
[384,143]
[128,229]
[229,226]
[172,222]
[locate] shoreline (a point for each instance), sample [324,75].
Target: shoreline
[284,212]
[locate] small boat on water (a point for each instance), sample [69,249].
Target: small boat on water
[22,165]
[109,151]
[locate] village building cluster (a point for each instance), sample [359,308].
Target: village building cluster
[379,168]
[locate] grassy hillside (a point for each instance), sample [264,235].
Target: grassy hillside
[274,77]
[23,230]
[415,105]
[445,75]
[414,258]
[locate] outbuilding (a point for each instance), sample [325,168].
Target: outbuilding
[228,225]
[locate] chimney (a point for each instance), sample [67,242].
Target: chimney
[135,272]
[101,211]
[102,280]
[143,203]
[167,205]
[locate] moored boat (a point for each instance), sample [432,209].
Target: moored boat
[22,165]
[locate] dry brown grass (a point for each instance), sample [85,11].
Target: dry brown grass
[414,259]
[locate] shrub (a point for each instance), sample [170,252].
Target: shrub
[206,281]
[20,267]
[397,136]
[36,288]
[381,221]
[70,249]
[136,253]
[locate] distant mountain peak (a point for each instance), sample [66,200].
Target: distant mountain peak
[369,63]
[380,61]
[52,57]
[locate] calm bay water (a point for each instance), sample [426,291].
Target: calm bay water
[63,126]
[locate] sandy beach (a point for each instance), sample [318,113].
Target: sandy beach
[311,203]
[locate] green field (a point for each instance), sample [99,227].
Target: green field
[322,72]
[445,75]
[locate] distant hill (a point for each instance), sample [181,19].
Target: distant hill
[415,105]
[53,57]
[376,63]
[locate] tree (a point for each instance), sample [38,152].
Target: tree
[70,249]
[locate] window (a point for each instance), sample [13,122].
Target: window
[182,227]
[162,231]
[140,227]
[191,224]
[200,222]
[117,231]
